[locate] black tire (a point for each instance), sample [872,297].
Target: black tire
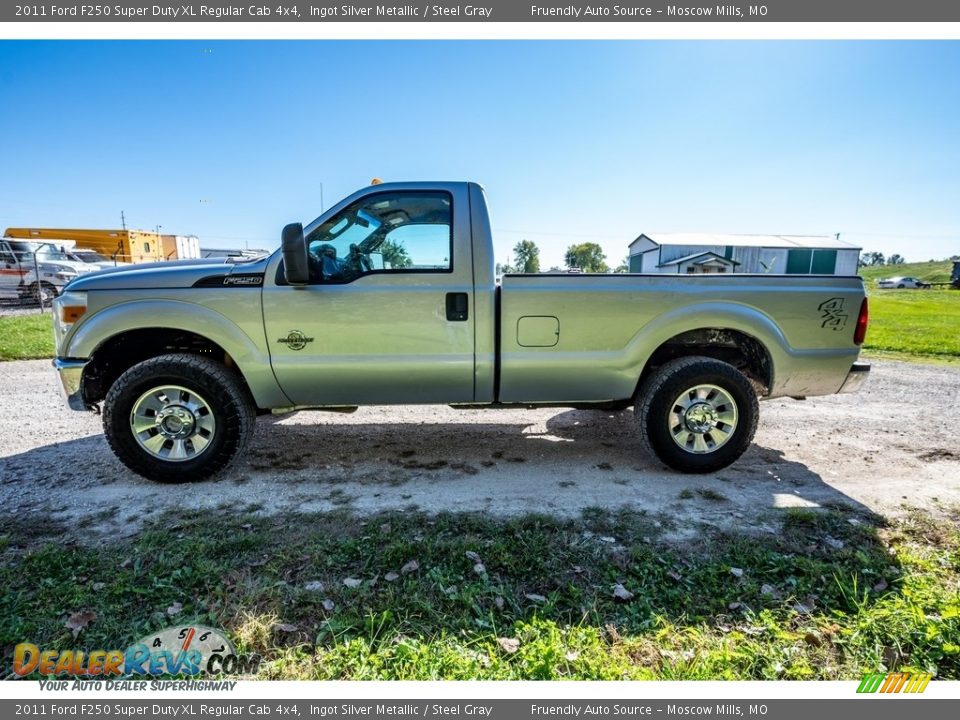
[42,292]
[661,390]
[230,405]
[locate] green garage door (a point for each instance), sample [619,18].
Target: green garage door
[798,262]
[818,262]
[824,262]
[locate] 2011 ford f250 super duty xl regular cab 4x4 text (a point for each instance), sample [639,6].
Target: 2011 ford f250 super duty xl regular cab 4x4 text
[390,297]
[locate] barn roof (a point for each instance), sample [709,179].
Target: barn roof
[699,259]
[763,241]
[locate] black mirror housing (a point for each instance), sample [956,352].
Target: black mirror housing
[296,269]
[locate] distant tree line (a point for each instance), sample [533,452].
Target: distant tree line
[587,257]
[871,259]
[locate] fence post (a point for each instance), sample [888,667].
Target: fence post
[36,273]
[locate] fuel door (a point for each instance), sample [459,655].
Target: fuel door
[538,331]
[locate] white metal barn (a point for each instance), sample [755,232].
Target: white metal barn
[774,254]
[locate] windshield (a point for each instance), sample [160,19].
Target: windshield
[49,251]
[348,230]
[23,246]
[88,256]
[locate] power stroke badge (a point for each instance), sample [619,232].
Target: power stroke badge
[295,340]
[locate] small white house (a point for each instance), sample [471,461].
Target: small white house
[712,253]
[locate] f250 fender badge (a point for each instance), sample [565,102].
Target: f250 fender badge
[243,280]
[295,340]
[832,314]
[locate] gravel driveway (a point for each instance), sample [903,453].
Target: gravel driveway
[891,445]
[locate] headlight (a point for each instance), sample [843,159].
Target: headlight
[67,309]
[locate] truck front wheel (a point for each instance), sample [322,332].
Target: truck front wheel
[176,418]
[697,414]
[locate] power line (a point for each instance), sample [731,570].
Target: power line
[558,234]
[902,236]
[910,236]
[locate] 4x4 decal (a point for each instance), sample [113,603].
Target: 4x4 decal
[832,314]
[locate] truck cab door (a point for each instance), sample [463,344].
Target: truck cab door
[10,271]
[387,317]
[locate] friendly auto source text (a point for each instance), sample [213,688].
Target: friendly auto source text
[594,11]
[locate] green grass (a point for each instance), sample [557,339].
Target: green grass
[832,595]
[933,271]
[905,324]
[26,337]
[916,322]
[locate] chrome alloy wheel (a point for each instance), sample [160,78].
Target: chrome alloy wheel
[702,419]
[172,423]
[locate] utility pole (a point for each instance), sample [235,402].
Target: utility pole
[123,220]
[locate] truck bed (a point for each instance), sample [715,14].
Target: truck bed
[586,337]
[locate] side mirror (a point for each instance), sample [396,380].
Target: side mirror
[296,270]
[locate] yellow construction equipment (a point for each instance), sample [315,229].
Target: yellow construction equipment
[133,246]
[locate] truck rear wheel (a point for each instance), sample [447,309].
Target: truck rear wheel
[176,418]
[697,414]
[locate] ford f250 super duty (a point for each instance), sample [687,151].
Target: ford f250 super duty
[390,297]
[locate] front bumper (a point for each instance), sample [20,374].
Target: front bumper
[856,377]
[71,379]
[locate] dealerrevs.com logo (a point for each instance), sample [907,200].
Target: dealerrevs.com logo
[191,650]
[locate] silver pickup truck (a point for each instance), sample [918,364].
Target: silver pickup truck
[390,297]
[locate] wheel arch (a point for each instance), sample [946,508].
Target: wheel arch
[739,335]
[735,347]
[122,335]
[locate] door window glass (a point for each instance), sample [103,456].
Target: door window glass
[386,232]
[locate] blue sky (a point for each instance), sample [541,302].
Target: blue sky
[574,141]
